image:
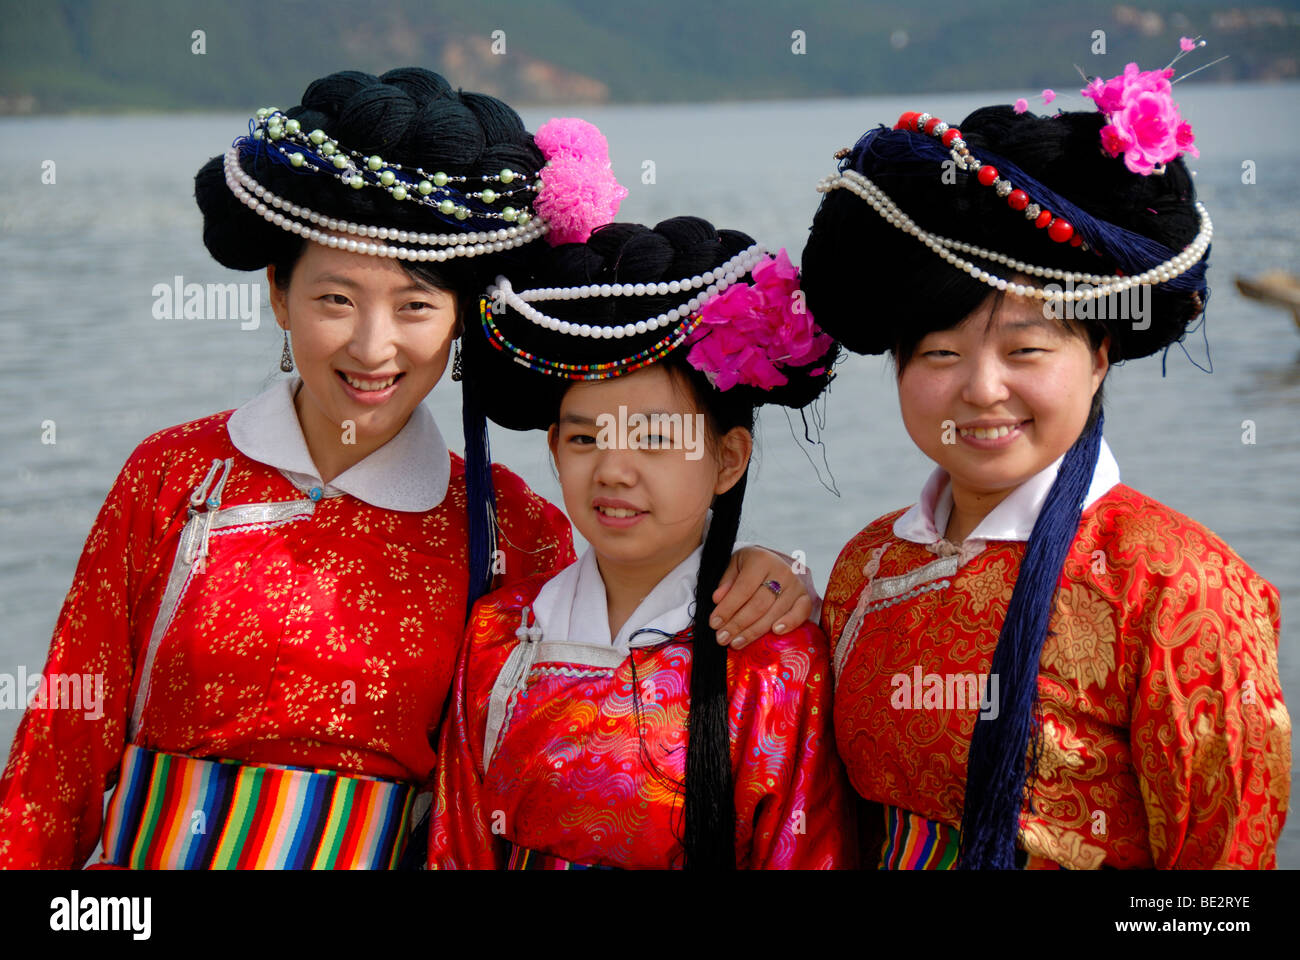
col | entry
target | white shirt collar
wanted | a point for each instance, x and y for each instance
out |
(572, 605)
(410, 472)
(1013, 518)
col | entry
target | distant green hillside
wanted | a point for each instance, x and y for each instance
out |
(136, 54)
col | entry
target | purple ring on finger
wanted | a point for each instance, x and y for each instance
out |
(774, 586)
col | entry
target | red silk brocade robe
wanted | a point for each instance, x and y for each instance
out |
(573, 783)
(318, 632)
(1165, 740)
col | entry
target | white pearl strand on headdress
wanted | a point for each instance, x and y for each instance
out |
(285, 214)
(712, 281)
(1100, 285)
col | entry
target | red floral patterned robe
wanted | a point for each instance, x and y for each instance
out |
(1165, 739)
(316, 634)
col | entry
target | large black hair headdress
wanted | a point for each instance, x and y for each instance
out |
(402, 166)
(1041, 207)
(633, 296)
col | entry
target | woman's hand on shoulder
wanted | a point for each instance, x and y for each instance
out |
(749, 605)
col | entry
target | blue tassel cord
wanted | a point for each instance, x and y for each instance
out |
(998, 771)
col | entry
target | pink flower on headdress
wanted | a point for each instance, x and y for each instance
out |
(1107, 94)
(1185, 140)
(579, 190)
(747, 331)
(1144, 121)
(1113, 140)
(1049, 95)
(1021, 105)
(1186, 44)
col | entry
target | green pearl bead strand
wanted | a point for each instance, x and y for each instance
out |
(352, 166)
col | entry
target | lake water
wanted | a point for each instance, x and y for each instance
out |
(79, 345)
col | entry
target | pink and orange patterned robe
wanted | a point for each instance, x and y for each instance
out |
(592, 746)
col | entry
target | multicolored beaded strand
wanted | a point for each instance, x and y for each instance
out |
(586, 371)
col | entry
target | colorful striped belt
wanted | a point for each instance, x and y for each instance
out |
(914, 843)
(173, 812)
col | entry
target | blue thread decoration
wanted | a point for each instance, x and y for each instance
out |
(315, 493)
(480, 497)
(998, 774)
(1198, 326)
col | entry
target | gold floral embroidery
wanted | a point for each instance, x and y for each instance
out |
(1277, 756)
(1209, 752)
(1066, 847)
(336, 639)
(1058, 750)
(993, 585)
(1081, 647)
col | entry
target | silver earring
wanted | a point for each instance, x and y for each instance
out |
(286, 358)
(457, 368)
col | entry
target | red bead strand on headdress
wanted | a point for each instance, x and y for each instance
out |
(1060, 230)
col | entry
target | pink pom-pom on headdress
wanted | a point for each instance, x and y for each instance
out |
(579, 190)
(572, 137)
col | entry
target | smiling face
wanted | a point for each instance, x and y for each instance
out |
(641, 508)
(369, 341)
(1011, 393)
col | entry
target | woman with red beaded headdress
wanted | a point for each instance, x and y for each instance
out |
(1037, 665)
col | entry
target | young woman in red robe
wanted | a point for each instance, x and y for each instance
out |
(271, 601)
(596, 721)
(1037, 665)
